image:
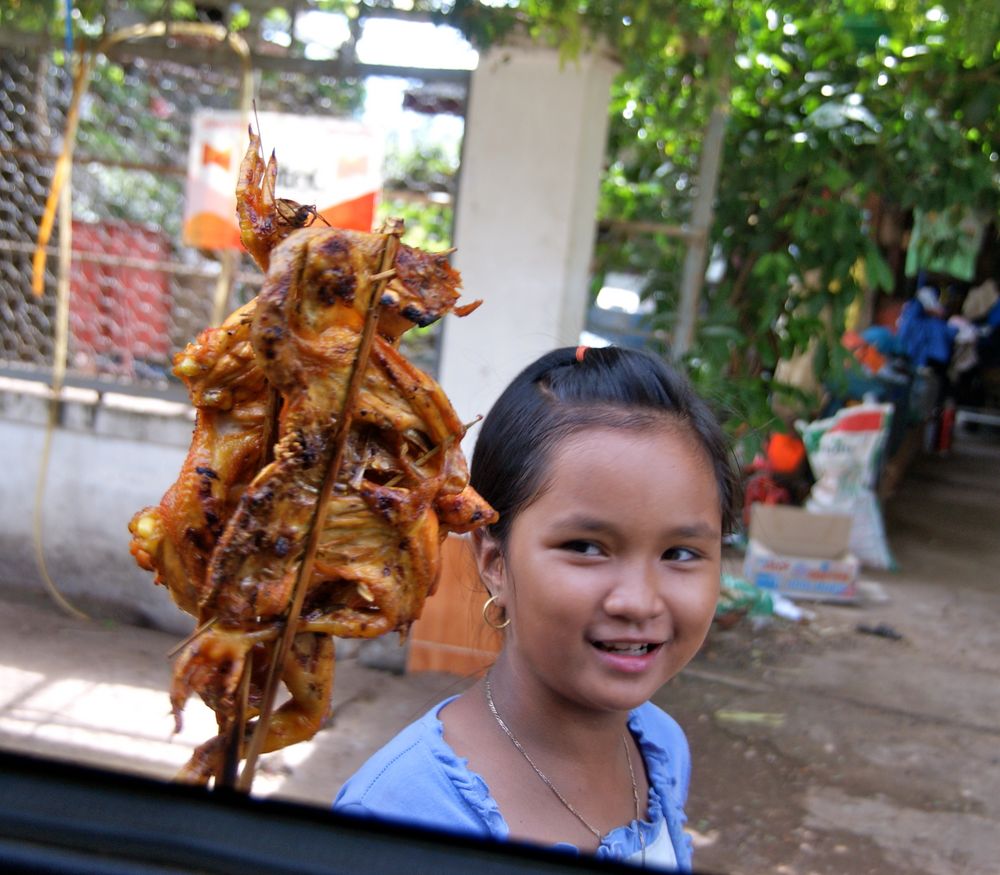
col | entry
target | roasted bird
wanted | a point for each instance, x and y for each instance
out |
(231, 395)
(230, 537)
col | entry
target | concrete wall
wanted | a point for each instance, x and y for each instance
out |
(110, 456)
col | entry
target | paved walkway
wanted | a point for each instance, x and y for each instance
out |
(96, 693)
(820, 750)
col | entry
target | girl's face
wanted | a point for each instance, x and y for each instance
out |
(611, 575)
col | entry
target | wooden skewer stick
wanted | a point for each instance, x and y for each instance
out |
(338, 443)
(234, 737)
(430, 453)
(475, 421)
(197, 633)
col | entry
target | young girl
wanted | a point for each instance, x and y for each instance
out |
(614, 488)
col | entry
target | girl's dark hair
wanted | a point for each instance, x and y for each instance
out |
(558, 395)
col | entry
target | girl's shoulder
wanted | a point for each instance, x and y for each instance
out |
(664, 747)
(657, 727)
(417, 778)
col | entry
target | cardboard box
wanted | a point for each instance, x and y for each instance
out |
(801, 555)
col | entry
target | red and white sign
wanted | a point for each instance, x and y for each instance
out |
(332, 164)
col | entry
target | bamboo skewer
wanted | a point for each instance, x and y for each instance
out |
(426, 457)
(197, 633)
(338, 444)
(234, 740)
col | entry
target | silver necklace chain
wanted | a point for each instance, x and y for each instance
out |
(628, 758)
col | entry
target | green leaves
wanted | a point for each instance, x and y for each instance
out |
(877, 272)
(836, 109)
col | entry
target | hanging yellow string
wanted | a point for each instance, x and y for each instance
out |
(58, 377)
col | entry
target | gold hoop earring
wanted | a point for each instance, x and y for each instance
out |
(486, 615)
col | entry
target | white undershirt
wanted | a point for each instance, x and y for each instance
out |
(659, 852)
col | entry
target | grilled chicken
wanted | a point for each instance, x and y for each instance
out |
(228, 538)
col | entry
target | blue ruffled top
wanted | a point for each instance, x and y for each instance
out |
(418, 779)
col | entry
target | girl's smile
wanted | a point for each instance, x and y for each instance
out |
(627, 657)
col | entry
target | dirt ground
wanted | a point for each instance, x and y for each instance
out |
(820, 749)
(816, 748)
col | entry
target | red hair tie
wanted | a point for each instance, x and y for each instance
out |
(580, 352)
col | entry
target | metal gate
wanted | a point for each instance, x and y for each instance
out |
(137, 294)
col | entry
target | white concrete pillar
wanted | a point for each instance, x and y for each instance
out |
(534, 147)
